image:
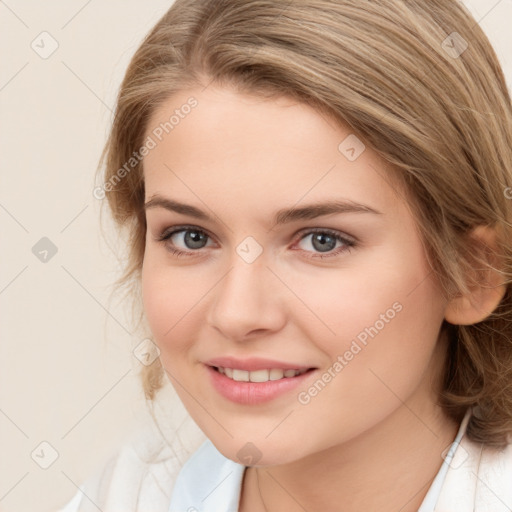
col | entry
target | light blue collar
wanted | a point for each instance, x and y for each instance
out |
(208, 482)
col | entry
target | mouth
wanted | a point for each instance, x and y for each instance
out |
(263, 375)
(252, 387)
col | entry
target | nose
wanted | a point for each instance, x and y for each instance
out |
(247, 302)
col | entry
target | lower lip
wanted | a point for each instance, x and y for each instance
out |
(251, 393)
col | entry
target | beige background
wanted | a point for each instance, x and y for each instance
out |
(68, 376)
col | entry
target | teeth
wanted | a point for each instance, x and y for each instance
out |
(276, 374)
(259, 375)
(241, 375)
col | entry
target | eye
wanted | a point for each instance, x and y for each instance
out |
(325, 243)
(187, 240)
(184, 240)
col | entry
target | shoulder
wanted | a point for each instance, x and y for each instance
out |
(140, 476)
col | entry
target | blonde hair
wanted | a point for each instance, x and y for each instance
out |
(417, 81)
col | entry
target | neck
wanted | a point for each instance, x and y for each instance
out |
(387, 468)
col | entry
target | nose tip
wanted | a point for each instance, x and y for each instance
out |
(245, 303)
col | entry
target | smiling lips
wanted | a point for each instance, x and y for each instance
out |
(254, 381)
(258, 375)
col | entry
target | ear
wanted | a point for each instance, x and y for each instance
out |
(486, 286)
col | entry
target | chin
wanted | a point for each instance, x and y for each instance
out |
(257, 454)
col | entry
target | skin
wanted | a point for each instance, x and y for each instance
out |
(372, 439)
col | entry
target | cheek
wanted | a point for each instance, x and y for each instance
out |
(172, 300)
(387, 311)
(381, 353)
(386, 319)
(345, 303)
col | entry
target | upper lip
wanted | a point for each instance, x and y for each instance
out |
(254, 363)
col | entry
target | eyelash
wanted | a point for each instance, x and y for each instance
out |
(349, 243)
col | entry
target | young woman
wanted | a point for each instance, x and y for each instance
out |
(318, 202)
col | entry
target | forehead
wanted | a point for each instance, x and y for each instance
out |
(266, 151)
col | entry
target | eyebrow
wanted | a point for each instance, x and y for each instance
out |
(286, 215)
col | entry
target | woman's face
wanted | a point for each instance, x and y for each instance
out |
(296, 251)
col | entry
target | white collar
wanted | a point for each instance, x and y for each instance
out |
(479, 479)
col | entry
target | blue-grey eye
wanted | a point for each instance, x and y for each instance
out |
(323, 242)
(190, 238)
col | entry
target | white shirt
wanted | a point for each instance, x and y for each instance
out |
(472, 478)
